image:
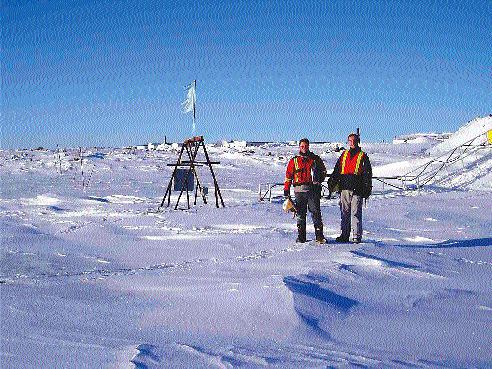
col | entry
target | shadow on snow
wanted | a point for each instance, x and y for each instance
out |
(313, 300)
(474, 242)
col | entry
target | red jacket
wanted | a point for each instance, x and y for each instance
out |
(304, 170)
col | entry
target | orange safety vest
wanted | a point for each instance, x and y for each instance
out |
(302, 173)
(299, 171)
(351, 165)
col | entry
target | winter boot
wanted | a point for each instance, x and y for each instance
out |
(342, 239)
(318, 231)
(301, 233)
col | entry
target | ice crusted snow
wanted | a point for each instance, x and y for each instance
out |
(97, 277)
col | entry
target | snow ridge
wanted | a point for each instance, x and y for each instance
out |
(476, 127)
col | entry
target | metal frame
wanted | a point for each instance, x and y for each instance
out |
(192, 146)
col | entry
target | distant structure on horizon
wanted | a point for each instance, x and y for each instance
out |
(417, 137)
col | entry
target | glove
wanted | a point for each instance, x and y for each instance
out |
(333, 185)
(287, 193)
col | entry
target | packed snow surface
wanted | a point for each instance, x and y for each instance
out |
(94, 274)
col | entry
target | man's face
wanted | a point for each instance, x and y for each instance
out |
(352, 141)
(304, 147)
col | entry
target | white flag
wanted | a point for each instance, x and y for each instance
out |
(189, 103)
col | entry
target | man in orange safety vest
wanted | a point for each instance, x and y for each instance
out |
(352, 178)
(306, 171)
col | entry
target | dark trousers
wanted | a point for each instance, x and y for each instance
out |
(309, 200)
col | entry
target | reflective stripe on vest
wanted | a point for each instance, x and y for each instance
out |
(296, 170)
(357, 166)
(347, 167)
(344, 159)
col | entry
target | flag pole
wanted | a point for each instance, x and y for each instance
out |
(194, 106)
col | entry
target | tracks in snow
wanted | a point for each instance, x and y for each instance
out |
(100, 273)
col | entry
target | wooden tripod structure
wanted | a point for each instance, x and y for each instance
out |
(192, 146)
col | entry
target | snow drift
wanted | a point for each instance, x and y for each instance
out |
(477, 127)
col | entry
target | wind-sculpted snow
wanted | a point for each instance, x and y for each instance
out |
(472, 129)
(260, 356)
(311, 286)
(355, 305)
(93, 273)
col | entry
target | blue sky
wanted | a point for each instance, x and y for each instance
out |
(112, 73)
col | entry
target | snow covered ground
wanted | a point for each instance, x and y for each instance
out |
(97, 277)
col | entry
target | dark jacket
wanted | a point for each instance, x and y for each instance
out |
(360, 183)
